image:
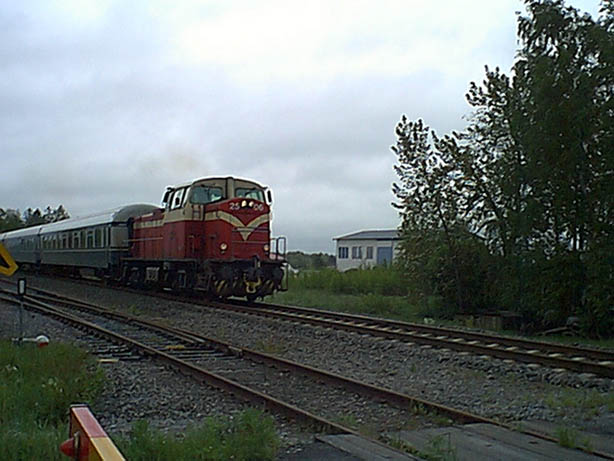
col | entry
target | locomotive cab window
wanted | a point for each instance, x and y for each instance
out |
(177, 199)
(201, 195)
(254, 193)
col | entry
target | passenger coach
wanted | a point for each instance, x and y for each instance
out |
(97, 241)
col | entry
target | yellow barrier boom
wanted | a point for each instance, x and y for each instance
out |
(88, 441)
(8, 266)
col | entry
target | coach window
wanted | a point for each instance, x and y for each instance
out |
(356, 252)
(82, 239)
(369, 252)
(343, 252)
(98, 237)
(90, 239)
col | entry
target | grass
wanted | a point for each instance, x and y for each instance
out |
(382, 292)
(394, 307)
(248, 436)
(378, 291)
(437, 448)
(575, 340)
(37, 387)
(384, 281)
(349, 420)
(270, 346)
(590, 402)
(570, 438)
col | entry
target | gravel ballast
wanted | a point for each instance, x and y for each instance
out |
(489, 387)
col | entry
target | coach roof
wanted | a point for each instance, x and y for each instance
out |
(116, 215)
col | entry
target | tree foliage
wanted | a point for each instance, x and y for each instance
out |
(527, 187)
(300, 260)
(11, 219)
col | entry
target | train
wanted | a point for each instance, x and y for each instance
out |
(211, 235)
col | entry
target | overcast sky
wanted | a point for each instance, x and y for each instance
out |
(105, 103)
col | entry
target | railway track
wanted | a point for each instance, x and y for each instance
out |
(247, 374)
(557, 356)
(553, 355)
(281, 386)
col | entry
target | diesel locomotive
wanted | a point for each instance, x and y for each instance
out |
(211, 235)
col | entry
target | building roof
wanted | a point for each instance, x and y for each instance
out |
(386, 234)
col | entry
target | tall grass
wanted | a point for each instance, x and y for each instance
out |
(379, 280)
(248, 436)
(36, 388)
(379, 291)
(38, 385)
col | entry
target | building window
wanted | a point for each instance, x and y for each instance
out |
(356, 252)
(343, 252)
(369, 252)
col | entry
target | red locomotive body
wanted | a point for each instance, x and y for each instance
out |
(213, 234)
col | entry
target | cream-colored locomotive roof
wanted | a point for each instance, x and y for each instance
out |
(116, 215)
(218, 179)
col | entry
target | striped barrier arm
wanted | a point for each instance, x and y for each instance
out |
(87, 439)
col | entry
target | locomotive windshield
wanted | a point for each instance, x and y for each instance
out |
(203, 194)
(254, 193)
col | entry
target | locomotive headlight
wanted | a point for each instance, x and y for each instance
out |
(266, 248)
(223, 246)
(251, 204)
(243, 203)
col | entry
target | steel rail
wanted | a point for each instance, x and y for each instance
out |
(368, 390)
(588, 352)
(198, 373)
(392, 397)
(579, 359)
(381, 328)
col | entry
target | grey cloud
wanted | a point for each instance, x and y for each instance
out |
(96, 117)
